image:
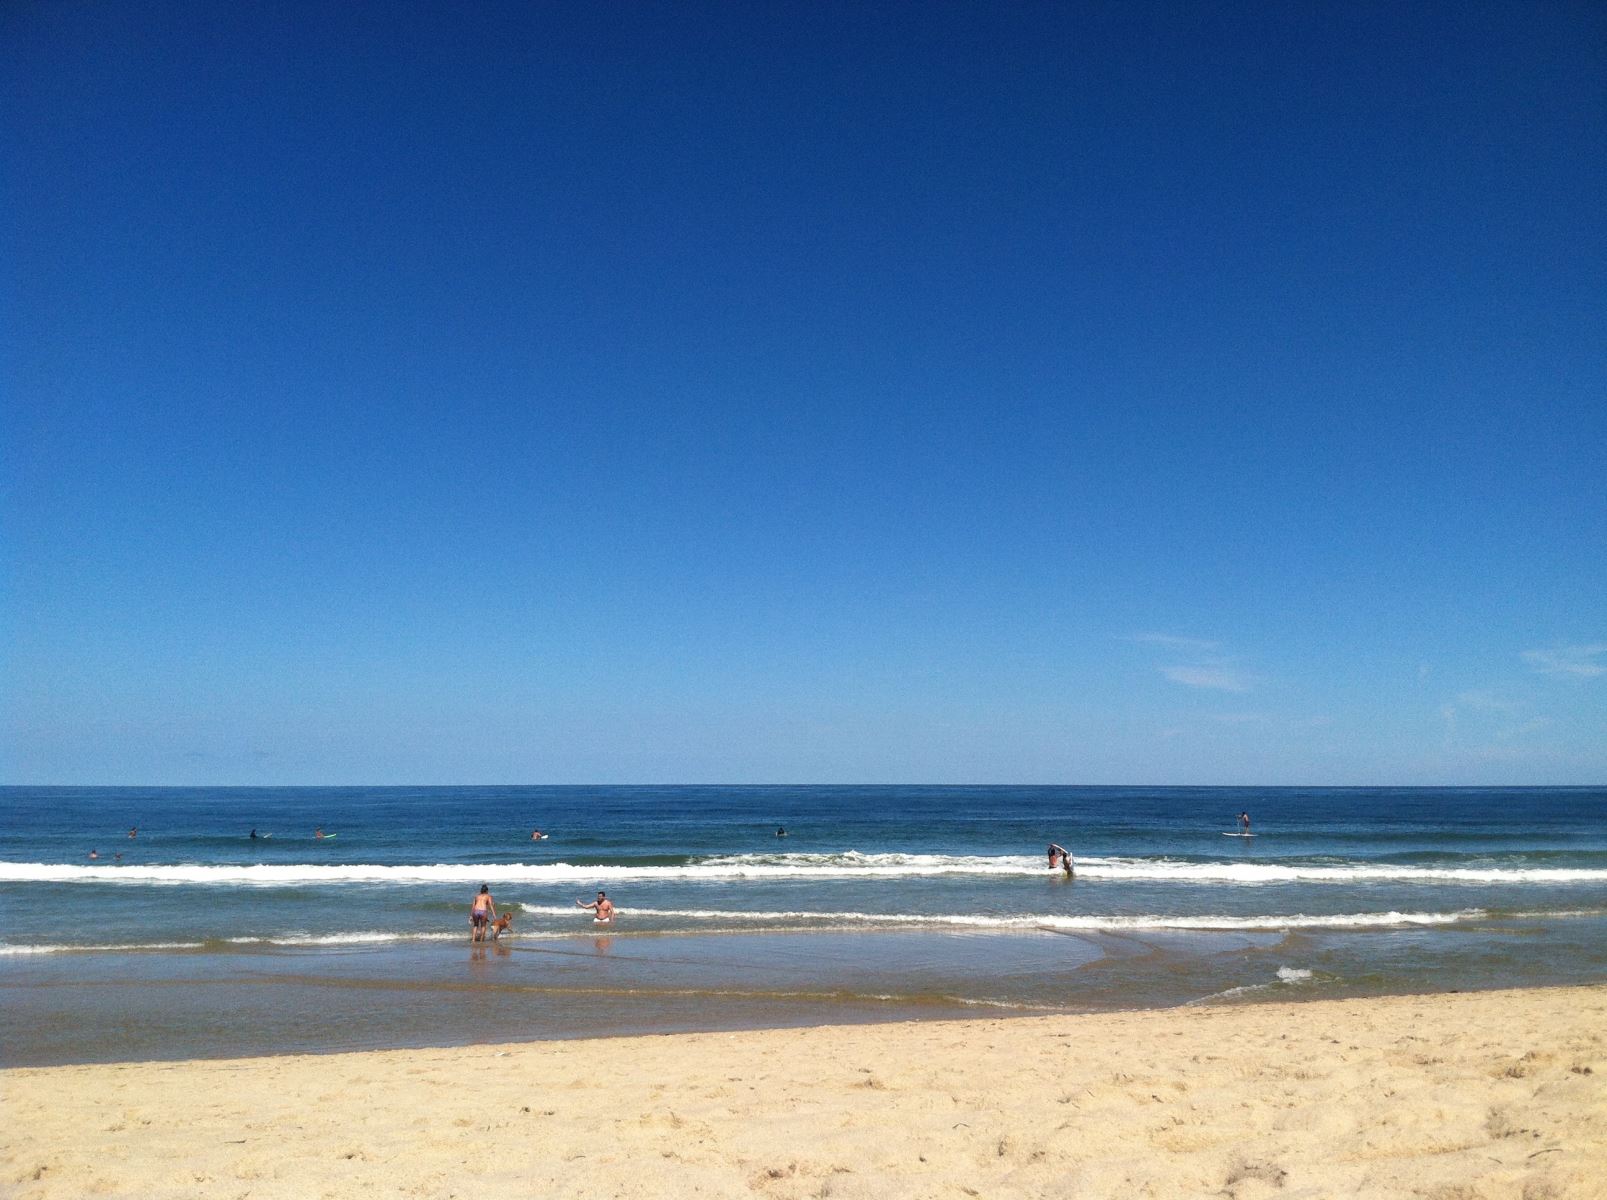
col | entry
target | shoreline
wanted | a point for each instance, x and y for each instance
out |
(1473, 1094)
(248, 1001)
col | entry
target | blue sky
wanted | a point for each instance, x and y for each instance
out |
(1046, 393)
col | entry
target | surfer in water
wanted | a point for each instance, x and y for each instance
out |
(1059, 856)
(603, 907)
(1244, 822)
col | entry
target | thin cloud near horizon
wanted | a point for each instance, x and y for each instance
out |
(1223, 679)
(1569, 662)
(1173, 642)
(1209, 669)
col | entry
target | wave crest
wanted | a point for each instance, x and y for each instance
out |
(848, 865)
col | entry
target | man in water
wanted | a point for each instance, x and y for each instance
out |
(134, 832)
(602, 906)
(1059, 856)
(1244, 822)
(253, 835)
(482, 914)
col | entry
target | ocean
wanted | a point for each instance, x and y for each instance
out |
(192, 939)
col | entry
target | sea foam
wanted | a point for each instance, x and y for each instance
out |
(848, 865)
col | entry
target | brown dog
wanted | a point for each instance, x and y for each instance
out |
(500, 925)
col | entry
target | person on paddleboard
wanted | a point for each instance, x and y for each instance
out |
(1244, 822)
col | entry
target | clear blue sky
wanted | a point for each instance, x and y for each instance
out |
(1036, 393)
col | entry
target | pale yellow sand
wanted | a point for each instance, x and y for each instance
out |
(1453, 1097)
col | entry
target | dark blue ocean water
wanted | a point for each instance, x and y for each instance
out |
(878, 900)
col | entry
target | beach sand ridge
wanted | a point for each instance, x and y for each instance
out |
(1448, 1097)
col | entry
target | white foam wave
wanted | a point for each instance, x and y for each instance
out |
(781, 867)
(1286, 976)
(1271, 873)
(356, 937)
(1093, 924)
(360, 937)
(7, 950)
(802, 920)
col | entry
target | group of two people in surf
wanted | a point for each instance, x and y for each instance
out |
(484, 921)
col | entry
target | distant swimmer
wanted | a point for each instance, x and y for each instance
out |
(537, 836)
(94, 854)
(781, 832)
(254, 835)
(603, 907)
(319, 832)
(1060, 857)
(1244, 822)
(134, 831)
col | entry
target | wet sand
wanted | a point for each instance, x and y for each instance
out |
(1494, 1094)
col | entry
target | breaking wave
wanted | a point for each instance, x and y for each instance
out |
(786, 866)
(805, 920)
(1056, 921)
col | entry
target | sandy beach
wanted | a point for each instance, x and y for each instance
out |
(1452, 1096)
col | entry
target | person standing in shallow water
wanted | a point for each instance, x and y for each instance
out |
(603, 907)
(482, 914)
